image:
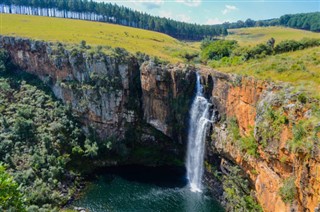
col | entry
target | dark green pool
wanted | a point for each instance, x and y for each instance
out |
(135, 188)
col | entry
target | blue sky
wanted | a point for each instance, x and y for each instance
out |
(219, 11)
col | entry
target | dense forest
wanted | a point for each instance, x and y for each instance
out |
(39, 139)
(107, 12)
(305, 21)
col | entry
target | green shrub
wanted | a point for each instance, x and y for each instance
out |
(237, 191)
(11, 199)
(83, 44)
(270, 128)
(206, 42)
(218, 49)
(288, 191)
(259, 51)
(249, 144)
(287, 46)
(302, 98)
(234, 128)
(301, 141)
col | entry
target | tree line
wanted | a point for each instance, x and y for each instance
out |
(112, 13)
(305, 21)
(125, 16)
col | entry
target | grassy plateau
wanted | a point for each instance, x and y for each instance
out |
(301, 68)
(256, 35)
(95, 33)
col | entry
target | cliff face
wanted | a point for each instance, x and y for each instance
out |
(166, 96)
(109, 94)
(270, 131)
(97, 87)
(271, 115)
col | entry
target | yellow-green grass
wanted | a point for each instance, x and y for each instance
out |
(94, 33)
(256, 35)
(300, 68)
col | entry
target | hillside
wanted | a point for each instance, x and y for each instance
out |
(94, 33)
(288, 59)
(301, 68)
(110, 13)
(255, 35)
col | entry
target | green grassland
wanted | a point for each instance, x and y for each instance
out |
(256, 35)
(95, 33)
(300, 68)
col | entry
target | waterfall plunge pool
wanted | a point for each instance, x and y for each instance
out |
(139, 188)
(167, 189)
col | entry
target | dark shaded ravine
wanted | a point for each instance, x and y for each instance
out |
(138, 188)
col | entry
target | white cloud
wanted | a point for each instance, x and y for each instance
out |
(213, 21)
(190, 3)
(178, 17)
(166, 14)
(228, 9)
(155, 4)
(183, 18)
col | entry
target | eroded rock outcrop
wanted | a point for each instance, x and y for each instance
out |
(271, 114)
(167, 93)
(109, 94)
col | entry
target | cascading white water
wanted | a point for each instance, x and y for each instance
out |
(199, 122)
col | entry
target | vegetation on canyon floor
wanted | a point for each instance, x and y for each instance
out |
(40, 139)
(43, 148)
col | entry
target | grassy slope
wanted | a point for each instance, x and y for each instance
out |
(256, 35)
(95, 33)
(301, 68)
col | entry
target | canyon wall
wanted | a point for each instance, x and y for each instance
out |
(270, 116)
(111, 96)
(270, 131)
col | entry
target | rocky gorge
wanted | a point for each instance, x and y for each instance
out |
(267, 129)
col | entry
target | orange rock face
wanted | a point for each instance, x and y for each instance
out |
(241, 102)
(240, 98)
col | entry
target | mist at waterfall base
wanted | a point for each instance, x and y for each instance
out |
(138, 188)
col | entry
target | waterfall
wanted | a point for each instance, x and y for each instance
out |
(199, 123)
